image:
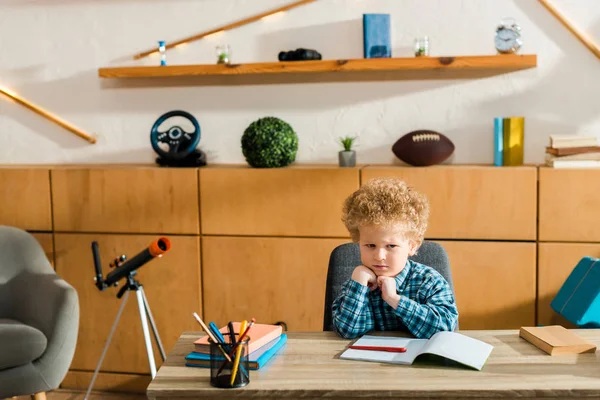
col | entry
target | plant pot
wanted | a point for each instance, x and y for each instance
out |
(347, 158)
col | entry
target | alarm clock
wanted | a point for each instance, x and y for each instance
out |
(508, 37)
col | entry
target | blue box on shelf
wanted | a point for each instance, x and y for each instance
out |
(377, 40)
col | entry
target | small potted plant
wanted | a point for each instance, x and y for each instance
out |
(347, 157)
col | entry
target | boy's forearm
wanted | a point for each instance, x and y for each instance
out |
(424, 320)
(350, 312)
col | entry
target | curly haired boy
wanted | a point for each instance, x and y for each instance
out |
(389, 292)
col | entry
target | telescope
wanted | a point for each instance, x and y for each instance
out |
(124, 268)
(127, 269)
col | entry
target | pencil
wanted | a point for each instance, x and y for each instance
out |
(211, 336)
(380, 348)
(252, 321)
(238, 353)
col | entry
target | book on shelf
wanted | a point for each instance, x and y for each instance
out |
(256, 359)
(513, 136)
(576, 157)
(259, 335)
(447, 346)
(557, 163)
(573, 160)
(566, 151)
(569, 141)
(556, 339)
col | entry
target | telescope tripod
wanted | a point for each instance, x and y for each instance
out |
(144, 309)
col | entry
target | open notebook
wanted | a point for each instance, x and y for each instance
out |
(453, 346)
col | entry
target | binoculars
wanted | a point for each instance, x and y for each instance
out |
(299, 55)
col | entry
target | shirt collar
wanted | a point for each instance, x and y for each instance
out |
(401, 277)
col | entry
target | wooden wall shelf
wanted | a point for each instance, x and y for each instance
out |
(391, 68)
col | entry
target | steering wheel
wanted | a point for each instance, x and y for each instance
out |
(179, 142)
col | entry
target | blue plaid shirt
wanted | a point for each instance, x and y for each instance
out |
(426, 305)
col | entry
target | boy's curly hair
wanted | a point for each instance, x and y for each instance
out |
(384, 201)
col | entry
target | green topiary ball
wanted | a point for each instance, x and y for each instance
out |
(269, 143)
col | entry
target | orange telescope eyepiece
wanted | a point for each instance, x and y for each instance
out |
(159, 246)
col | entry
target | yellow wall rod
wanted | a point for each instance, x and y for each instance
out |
(224, 28)
(47, 115)
(583, 38)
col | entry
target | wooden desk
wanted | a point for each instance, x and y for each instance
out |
(308, 367)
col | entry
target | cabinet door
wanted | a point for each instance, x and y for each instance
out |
(25, 198)
(171, 284)
(128, 200)
(555, 263)
(271, 279)
(569, 205)
(291, 201)
(494, 283)
(473, 202)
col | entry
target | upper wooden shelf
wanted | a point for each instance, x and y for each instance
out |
(391, 68)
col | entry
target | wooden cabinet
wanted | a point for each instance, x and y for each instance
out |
(569, 210)
(555, 263)
(25, 198)
(128, 200)
(271, 279)
(171, 283)
(495, 283)
(292, 201)
(266, 237)
(473, 202)
(569, 205)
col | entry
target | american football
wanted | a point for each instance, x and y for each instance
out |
(423, 147)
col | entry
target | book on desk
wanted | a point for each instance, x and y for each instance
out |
(556, 339)
(450, 346)
(260, 336)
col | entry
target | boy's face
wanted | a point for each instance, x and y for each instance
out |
(384, 250)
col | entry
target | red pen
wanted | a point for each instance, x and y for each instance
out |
(380, 348)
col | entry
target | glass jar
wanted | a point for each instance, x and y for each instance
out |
(223, 54)
(422, 46)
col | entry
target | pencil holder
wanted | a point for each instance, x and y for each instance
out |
(229, 366)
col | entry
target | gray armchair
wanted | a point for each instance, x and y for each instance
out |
(346, 257)
(39, 318)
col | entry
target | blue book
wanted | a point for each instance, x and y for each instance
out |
(256, 360)
(498, 141)
(578, 300)
(377, 40)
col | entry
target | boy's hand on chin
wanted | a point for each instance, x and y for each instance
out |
(365, 277)
(388, 290)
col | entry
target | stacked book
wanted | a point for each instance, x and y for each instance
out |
(265, 341)
(573, 151)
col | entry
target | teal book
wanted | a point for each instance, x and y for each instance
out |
(578, 300)
(498, 141)
(257, 358)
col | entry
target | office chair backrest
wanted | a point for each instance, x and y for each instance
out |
(346, 257)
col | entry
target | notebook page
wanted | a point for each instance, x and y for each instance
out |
(413, 348)
(460, 348)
